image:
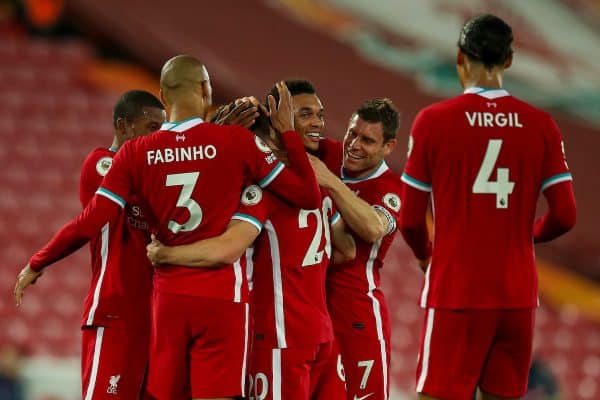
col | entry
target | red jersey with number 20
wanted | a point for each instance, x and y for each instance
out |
(191, 175)
(485, 156)
(290, 261)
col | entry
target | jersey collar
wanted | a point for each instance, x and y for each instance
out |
(375, 174)
(487, 93)
(181, 126)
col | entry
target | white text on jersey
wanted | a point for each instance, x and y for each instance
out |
(490, 120)
(177, 154)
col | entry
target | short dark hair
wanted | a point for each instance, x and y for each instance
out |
(381, 110)
(487, 39)
(131, 105)
(295, 86)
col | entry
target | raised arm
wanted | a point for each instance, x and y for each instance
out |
(220, 250)
(297, 185)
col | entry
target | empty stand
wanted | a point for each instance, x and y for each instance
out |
(49, 121)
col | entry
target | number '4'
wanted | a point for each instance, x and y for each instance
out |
(501, 187)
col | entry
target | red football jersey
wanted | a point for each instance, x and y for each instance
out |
(356, 303)
(290, 259)
(191, 176)
(121, 285)
(485, 156)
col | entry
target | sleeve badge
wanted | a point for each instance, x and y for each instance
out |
(103, 165)
(262, 146)
(392, 201)
(252, 195)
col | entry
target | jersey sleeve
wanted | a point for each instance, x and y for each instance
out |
(92, 172)
(95, 218)
(117, 184)
(297, 184)
(388, 203)
(555, 168)
(417, 172)
(254, 207)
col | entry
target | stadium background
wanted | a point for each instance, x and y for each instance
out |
(64, 63)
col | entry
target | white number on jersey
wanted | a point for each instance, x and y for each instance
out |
(501, 187)
(313, 254)
(254, 386)
(368, 365)
(188, 181)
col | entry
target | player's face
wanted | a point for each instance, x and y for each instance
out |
(364, 147)
(150, 121)
(308, 119)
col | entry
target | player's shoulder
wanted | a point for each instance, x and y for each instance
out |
(98, 160)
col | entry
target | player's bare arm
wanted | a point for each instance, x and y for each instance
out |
(26, 277)
(368, 223)
(220, 250)
(344, 247)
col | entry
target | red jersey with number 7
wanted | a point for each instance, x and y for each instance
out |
(190, 176)
(485, 156)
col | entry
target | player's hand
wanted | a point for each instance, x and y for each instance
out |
(282, 114)
(26, 277)
(325, 177)
(154, 251)
(241, 112)
(424, 264)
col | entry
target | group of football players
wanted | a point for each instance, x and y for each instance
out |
(238, 255)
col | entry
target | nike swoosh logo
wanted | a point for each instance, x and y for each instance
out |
(363, 397)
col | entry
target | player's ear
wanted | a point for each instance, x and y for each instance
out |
(460, 58)
(162, 96)
(389, 146)
(206, 89)
(508, 61)
(121, 126)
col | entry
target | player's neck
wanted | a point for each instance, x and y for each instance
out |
(483, 77)
(184, 112)
(115, 144)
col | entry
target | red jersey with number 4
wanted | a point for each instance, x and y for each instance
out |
(121, 285)
(485, 156)
(290, 260)
(191, 175)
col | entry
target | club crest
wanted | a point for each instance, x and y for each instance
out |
(392, 201)
(103, 165)
(252, 195)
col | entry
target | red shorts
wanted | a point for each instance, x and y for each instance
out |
(461, 350)
(113, 362)
(293, 374)
(366, 366)
(198, 347)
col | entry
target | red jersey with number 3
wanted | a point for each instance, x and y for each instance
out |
(485, 156)
(191, 174)
(290, 260)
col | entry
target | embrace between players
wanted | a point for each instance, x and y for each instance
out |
(268, 246)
